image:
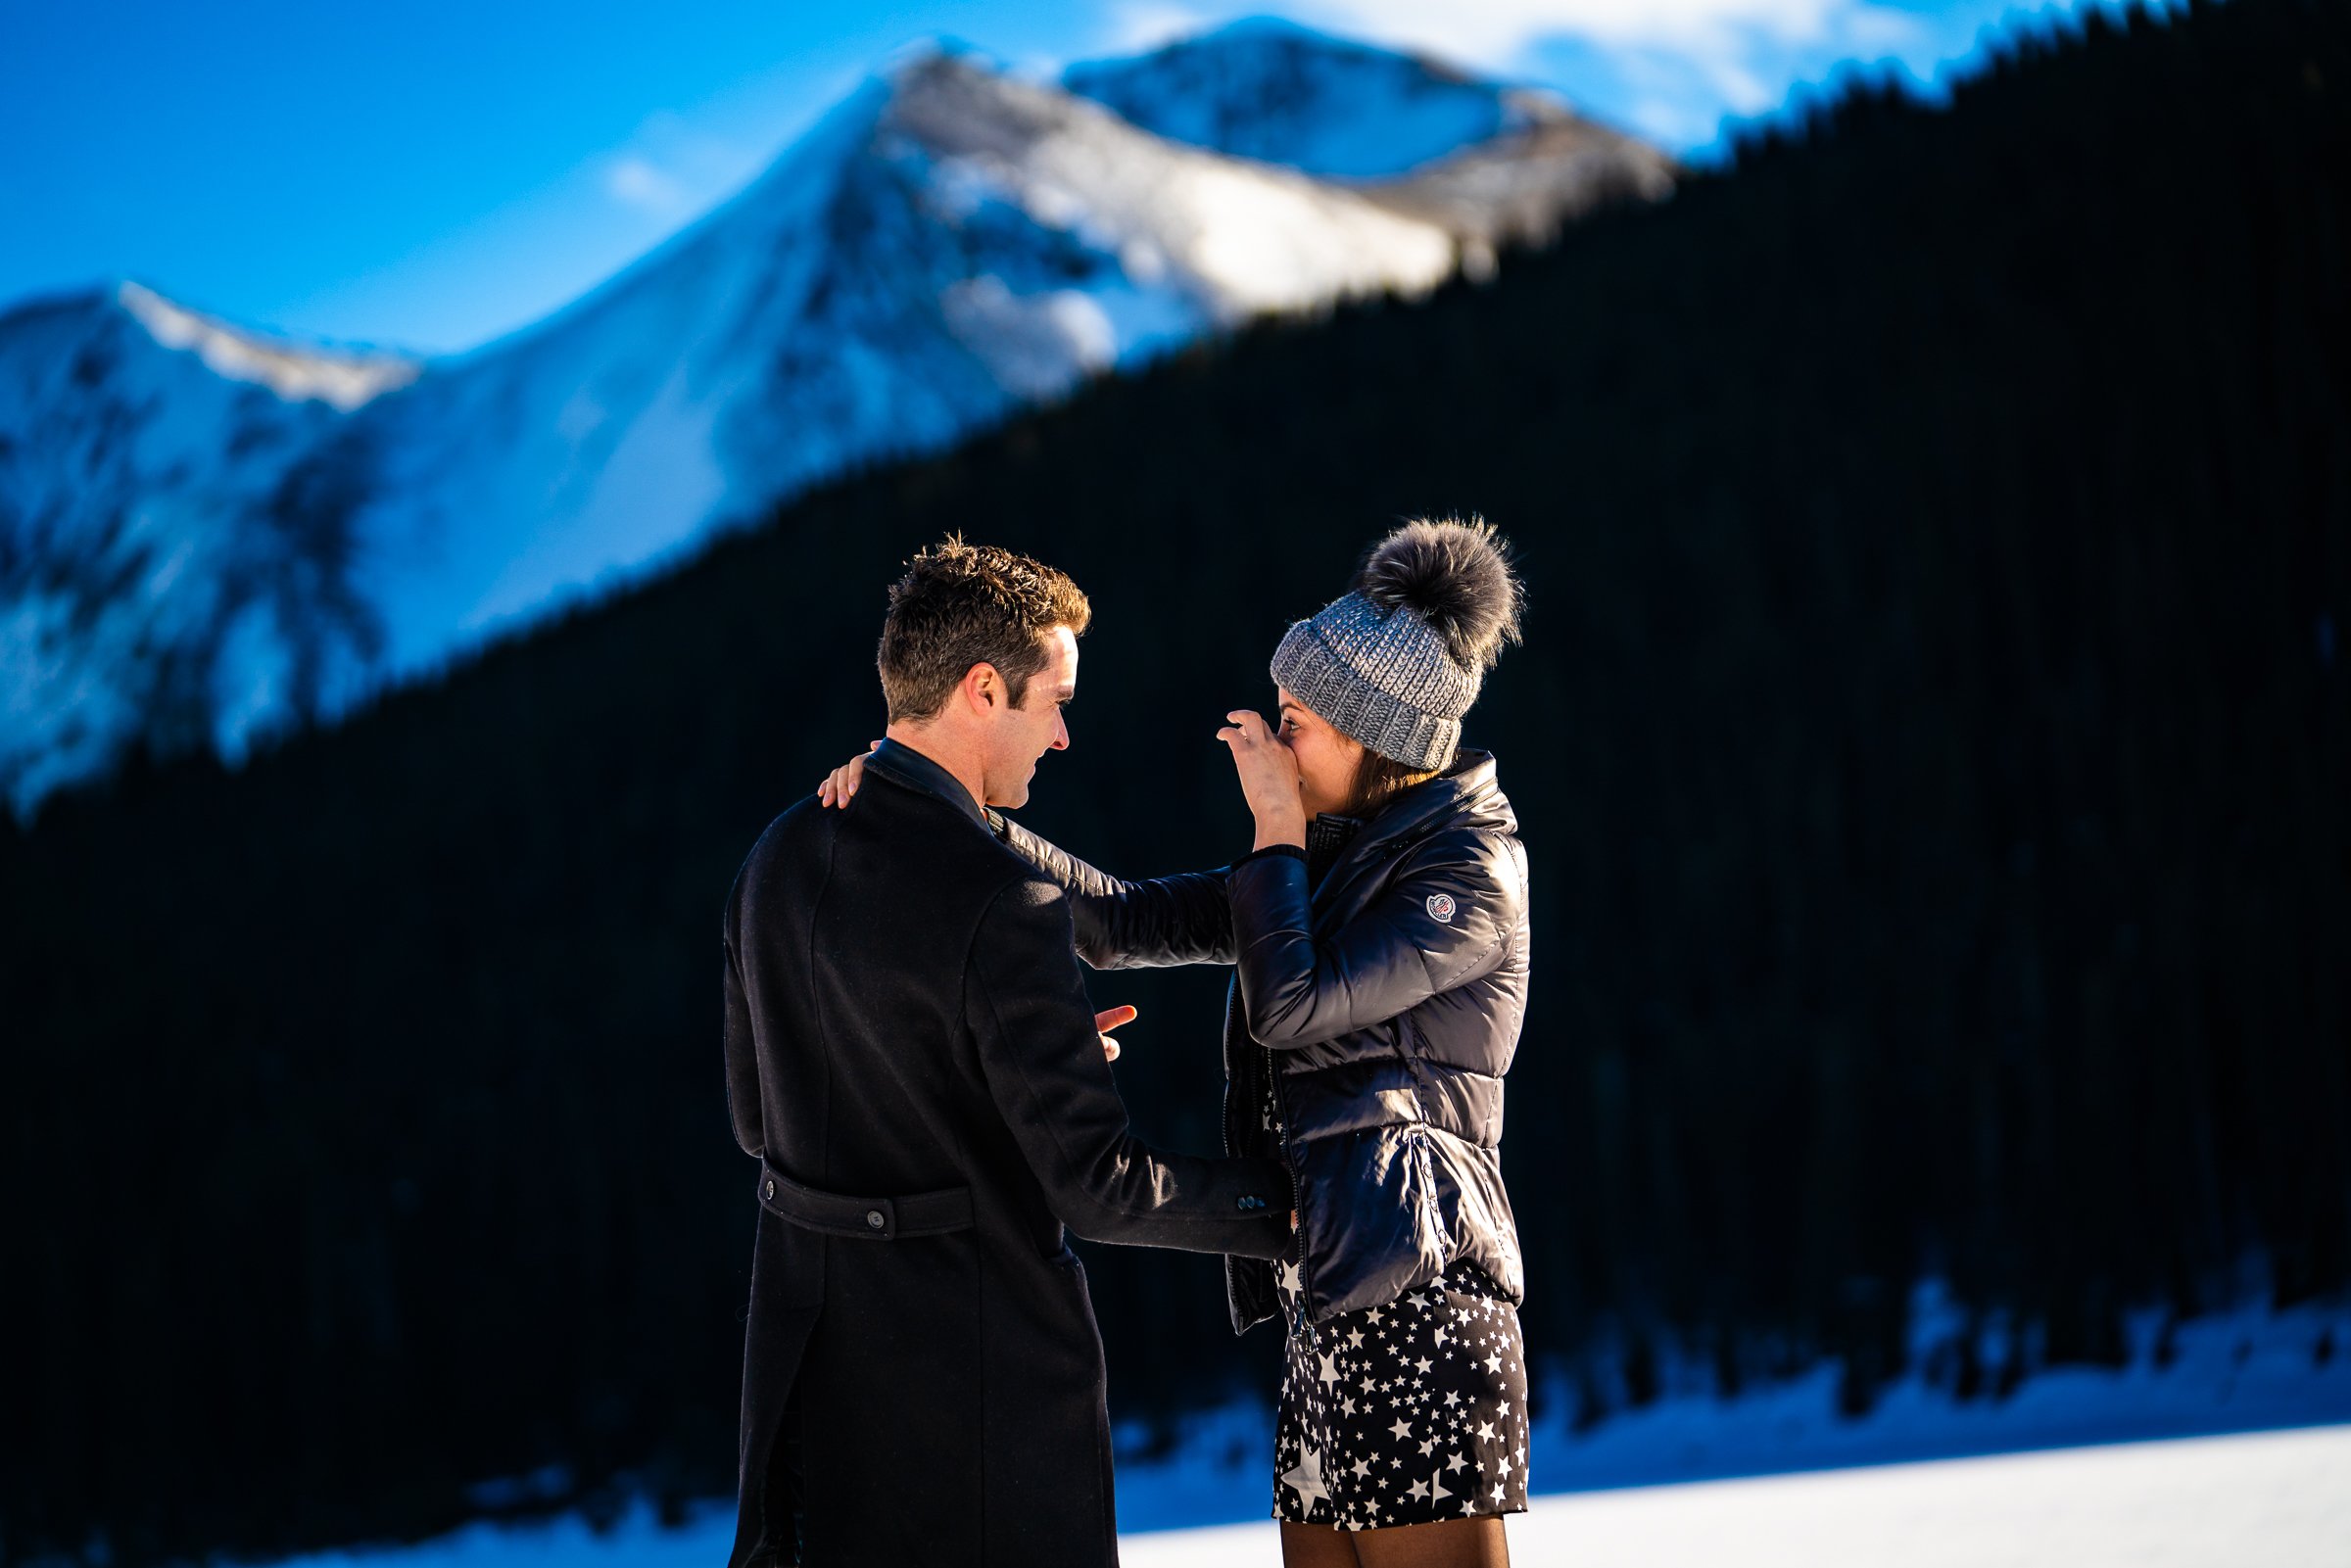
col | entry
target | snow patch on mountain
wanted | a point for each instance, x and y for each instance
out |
(346, 380)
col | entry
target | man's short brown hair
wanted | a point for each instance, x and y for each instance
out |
(964, 605)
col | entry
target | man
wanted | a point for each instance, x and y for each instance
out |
(911, 1055)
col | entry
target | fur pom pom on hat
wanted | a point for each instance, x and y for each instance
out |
(1399, 659)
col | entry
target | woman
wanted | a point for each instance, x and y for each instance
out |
(1379, 930)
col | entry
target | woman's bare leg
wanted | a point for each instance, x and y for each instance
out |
(1446, 1543)
(1317, 1547)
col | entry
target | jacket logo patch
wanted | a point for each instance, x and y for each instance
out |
(1440, 908)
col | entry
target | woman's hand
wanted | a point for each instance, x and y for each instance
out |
(1269, 779)
(1109, 1020)
(841, 783)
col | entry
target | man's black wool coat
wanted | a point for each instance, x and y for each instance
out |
(911, 1054)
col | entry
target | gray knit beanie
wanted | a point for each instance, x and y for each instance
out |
(1397, 660)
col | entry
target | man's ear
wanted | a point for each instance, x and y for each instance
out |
(983, 687)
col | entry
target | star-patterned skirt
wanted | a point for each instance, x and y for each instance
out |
(1404, 1414)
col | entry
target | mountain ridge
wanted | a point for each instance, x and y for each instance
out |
(948, 244)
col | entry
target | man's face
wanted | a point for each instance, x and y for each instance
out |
(1020, 736)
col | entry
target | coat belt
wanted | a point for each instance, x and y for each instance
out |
(922, 1213)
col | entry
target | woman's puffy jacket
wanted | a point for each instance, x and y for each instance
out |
(1371, 1019)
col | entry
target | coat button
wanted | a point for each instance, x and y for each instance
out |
(873, 1219)
(768, 1191)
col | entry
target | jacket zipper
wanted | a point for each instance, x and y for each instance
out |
(1232, 1005)
(1301, 1322)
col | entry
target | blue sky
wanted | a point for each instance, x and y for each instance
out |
(434, 174)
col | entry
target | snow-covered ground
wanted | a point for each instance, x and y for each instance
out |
(2243, 1370)
(2279, 1500)
(2078, 1467)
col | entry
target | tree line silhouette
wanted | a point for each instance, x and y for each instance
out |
(1931, 741)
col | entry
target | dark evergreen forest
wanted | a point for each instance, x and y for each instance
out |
(1933, 739)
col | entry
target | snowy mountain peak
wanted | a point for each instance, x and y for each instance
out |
(295, 372)
(165, 575)
(1237, 238)
(1491, 164)
(918, 54)
(947, 244)
(1267, 88)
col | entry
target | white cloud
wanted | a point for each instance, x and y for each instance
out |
(1675, 68)
(1497, 32)
(1671, 121)
(635, 181)
(669, 170)
(1744, 92)
(1886, 32)
(1137, 26)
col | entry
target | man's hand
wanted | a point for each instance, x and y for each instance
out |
(841, 783)
(1105, 1022)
